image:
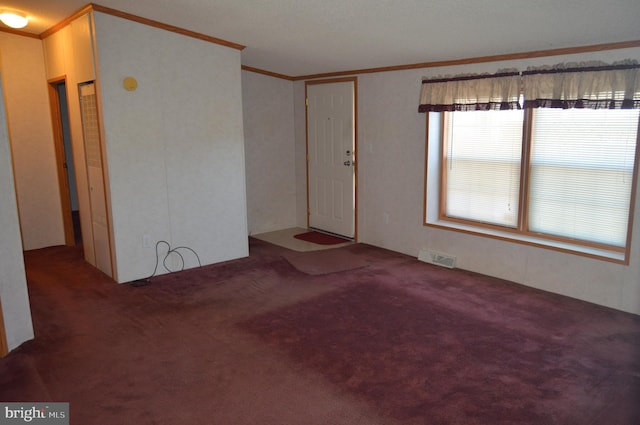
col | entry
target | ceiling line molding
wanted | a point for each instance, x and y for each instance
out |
(453, 62)
(166, 27)
(124, 15)
(18, 32)
(480, 59)
(57, 27)
(269, 73)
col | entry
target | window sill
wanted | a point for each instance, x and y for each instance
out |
(591, 252)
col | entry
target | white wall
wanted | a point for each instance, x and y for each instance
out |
(391, 139)
(13, 282)
(174, 147)
(269, 141)
(30, 127)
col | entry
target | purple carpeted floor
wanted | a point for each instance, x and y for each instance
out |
(257, 341)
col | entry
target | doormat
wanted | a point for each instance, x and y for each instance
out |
(320, 238)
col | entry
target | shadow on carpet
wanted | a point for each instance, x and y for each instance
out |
(417, 360)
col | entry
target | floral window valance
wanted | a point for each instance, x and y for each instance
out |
(471, 93)
(585, 85)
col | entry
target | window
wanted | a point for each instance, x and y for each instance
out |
(559, 173)
(481, 166)
(581, 173)
(578, 183)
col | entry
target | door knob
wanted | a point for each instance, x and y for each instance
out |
(347, 163)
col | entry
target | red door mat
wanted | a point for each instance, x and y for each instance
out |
(321, 238)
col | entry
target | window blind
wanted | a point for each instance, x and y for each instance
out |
(581, 173)
(482, 166)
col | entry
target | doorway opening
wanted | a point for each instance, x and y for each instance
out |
(64, 161)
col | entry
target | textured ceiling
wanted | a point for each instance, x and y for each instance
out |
(303, 37)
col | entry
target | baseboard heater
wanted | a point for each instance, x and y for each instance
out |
(437, 258)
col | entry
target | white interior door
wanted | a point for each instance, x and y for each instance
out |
(331, 157)
(97, 200)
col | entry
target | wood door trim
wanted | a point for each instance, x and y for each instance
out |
(63, 182)
(4, 348)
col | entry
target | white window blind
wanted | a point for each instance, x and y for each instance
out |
(482, 166)
(581, 173)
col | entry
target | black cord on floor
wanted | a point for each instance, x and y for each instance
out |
(176, 251)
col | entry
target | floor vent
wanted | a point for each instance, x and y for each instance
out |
(437, 258)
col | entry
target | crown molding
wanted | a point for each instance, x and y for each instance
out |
(124, 15)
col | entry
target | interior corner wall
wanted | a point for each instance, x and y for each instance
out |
(269, 139)
(300, 119)
(391, 166)
(13, 282)
(32, 143)
(174, 146)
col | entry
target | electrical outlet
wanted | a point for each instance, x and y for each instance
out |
(146, 241)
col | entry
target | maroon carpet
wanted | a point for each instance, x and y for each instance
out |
(418, 360)
(255, 341)
(320, 238)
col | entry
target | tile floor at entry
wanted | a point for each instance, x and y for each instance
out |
(285, 238)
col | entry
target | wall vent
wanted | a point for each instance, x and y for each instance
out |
(437, 258)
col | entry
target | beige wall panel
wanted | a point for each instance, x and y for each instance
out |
(13, 284)
(82, 41)
(30, 129)
(55, 50)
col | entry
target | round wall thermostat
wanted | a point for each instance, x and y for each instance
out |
(130, 84)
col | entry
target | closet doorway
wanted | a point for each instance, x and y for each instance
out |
(64, 161)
